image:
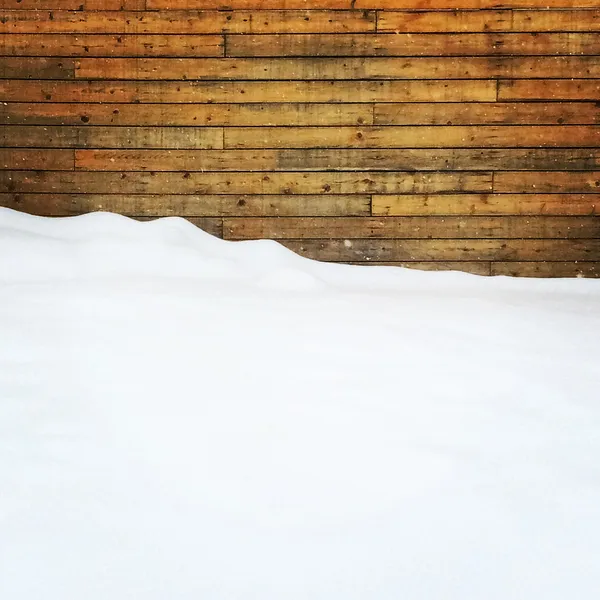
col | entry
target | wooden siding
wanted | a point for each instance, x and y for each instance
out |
(420, 133)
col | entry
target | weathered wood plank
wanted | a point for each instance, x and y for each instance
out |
(546, 269)
(340, 160)
(18, 158)
(430, 44)
(247, 4)
(16, 136)
(473, 267)
(327, 68)
(23, 113)
(190, 205)
(446, 250)
(229, 92)
(110, 45)
(483, 136)
(79, 182)
(497, 113)
(36, 68)
(486, 204)
(550, 90)
(473, 21)
(189, 22)
(467, 4)
(115, 4)
(41, 4)
(422, 227)
(548, 182)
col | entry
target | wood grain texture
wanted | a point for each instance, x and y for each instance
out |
(463, 227)
(401, 44)
(243, 92)
(240, 182)
(555, 91)
(546, 269)
(573, 182)
(327, 68)
(338, 160)
(184, 22)
(486, 204)
(205, 205)
(34, 159)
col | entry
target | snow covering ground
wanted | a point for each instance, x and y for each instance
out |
(187, 418)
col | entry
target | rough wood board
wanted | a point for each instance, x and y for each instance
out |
(550, 90)
(36, 68)
(486, 204)
(110, 137)
(244, 92)
(446, 250)
(504, 20)
(34, 159)
(75, 113)
(190, 205)
(242, 183)
(474, 267)
(498, 113)
(546, 269)
(110, 45)
(409, 44)
(328, 68)
(190, 22)
(573, 182)
(486, 136)
(487, 159)
(463, 227)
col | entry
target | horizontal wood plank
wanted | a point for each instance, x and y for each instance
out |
(546, 269)
(409, 44)
(486, 136)
(473, 267)
(110, 45)
(324, 68)
(110, 137)
(33, 159)
(463, 227)
(36, 68)
(189, 22)
(572, 182)
(247, 4)
(248, 91)
(555, 91)
(486, 204)
(446, 250)
(504, 20)
(489, 113)
(458, 4)
(167, 205)
(338, 160)
(24, 113)
(242, 182)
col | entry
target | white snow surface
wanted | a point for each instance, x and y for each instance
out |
(184, 418)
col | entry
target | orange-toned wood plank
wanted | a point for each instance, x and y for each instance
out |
(189, 22)
(368, 250)
(73, 4)
(247, 91)
(546, 269)
(189, 205)
(110, 137)
(486, 204)
(487, 136)
(405, 44)
(498, 113)
(550, 90)
(22, 113)
(36, 68)
(548, 182)
(110, 45)
(526, 67)
(464, 21)
(471, 4)
(423, 227)
(285, 183)
(19, 158)
(340, 160)
(248, 4)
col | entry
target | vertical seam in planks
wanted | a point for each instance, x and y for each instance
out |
(225, 45)
(497, 88)
(376, 20)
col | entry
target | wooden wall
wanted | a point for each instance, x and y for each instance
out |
(370, 131)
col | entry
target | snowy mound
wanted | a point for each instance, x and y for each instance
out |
(187, 418)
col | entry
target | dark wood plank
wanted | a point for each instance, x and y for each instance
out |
(33, 159)
(36, 68)
(546, 269)
(548, 182)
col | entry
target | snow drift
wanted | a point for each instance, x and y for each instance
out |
(187, 418)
